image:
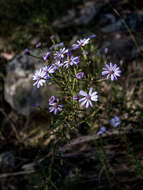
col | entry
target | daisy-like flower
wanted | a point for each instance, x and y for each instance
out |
(57, 64)
(75, 97)
(52, 37)
(101, 131)
(36, 105)
(69, 52)
(71, 61)
(60, 54)
(106, 50)
(38, 45)
(45, 57)
(80, 43)
(49, 69)
(52, 99)
(115, 121)
(54, 106)
(27, 51)
(92, 36)
(112, 71)
(56, 45)
(88, 98)
(39, 77)
(80, 75)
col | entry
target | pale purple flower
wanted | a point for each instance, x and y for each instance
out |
(92, 36)
(36, 105)
(60, 54)
(57, 64)
(45, 69)
(39, 77)
(71, 61)
(55, 107)
(112, 71)
(101, 131)
(52, 37)
(56, 45)
(27, 51)
(80, 43)
(75, 97)
(80, 75)
(49, 69)
(115, 121)
(106, 50)
(69, 52)
(85, 52)
(121, 61)
(45, 57)
(38, 45)
(74, 60)
(88, 98)
(52, 99)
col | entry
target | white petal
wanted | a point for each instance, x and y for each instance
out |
(55, 111)
(35, 83)
(90, 91)
(112, 77)
(108, 76)
(84, 102)
(114, 67)
(90, 103)
(107, 67)
(94, 98)
(87, 104)
(82, 99)
(117, 74)
(82, 93)
(51, 109)
(94, 94)
(111, 66)
(105, 72)
(115, 78)
(38, 85)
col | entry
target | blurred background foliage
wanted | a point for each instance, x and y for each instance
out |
(23, 19)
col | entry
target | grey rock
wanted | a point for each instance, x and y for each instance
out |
(133, 22)
(115, 27)
(87, 14)
(19, 91)
(81, 16)
(65, 21)
(121, 48)
(107, 19)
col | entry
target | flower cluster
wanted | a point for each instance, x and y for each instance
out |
(54, 105)
(77, 77)
(114, 122)
(66, 70)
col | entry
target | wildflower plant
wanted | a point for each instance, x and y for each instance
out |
(78, 77)
(79, 74)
